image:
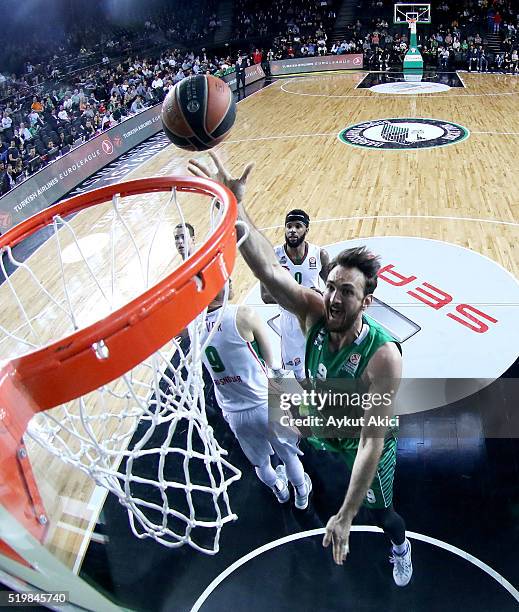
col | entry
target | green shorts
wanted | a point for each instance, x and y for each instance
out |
(380, 493)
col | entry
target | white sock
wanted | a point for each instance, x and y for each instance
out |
(400, 549)
(295, 473)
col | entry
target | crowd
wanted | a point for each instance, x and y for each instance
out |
(289, 28)
(261, 20)
(48, 109)
(458, 38)
(34, 130)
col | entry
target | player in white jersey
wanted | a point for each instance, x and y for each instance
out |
(234, 358)
(184, 237)
(306, 263)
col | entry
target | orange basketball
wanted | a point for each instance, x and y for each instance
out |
(198, 112)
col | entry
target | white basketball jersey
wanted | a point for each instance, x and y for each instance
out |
(240, 377)
(307, 272)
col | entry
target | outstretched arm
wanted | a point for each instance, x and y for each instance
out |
(383, 377)
(259, 255)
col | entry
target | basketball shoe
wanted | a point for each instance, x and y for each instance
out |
(402, 566)
(301, 500)
(283, 494)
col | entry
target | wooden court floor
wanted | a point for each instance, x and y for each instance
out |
(465, 194)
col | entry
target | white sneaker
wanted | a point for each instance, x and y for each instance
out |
(402, 566)
(301, 501)
(283, 495)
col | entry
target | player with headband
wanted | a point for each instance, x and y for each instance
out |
(306, 262)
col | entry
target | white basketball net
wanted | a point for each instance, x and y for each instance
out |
(145, 436)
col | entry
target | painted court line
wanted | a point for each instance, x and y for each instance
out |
(366, 528)
(369, 217)
(334, 135)
(377, 97)
(96, 503)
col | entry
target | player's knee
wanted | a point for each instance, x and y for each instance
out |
(382, 517)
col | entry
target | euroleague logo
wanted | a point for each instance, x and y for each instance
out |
(193, 106)
(107, 146)
(6, 219)
(403, 133)
(409, 88)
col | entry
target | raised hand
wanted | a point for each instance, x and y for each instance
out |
(222, 175)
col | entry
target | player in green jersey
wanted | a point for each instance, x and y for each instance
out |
(337, 328)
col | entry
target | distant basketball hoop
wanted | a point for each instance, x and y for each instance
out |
(412, 14)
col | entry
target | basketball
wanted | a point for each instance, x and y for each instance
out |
(198, 112)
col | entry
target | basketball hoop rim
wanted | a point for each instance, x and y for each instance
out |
(69, 368)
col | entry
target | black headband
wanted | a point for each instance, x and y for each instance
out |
(297, 215)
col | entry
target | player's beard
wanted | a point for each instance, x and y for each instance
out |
(295, 241)
(341, 324)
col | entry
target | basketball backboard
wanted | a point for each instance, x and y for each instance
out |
(404, 11)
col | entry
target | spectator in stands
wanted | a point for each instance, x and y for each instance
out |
(96, 123)
(18, 171)
(497, 22)
(13, 153)
(3, 152)
(88, 113)
(514, 61)
(157, 85)
(67, 103)
(35, 120)
(137, 105)
(7, 122)
(36, 105)
(52, 151)
(89, 129)
(321, 47)
(443, 58)
(239, 67)
(63, 115)
(473, 59)
(32, 161)
(257, 56)
(7, 180)
(106, 120)
(179, 76)
(62, 140)
(482, 60)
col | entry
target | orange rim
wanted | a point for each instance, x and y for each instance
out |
(69, 368)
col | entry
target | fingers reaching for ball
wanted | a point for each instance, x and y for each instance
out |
(197, 168)
(222, 175)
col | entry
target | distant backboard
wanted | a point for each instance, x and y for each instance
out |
(404, 11)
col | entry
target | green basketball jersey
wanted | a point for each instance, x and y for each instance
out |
(349, 363)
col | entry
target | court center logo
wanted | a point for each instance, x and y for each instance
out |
(403, 133)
